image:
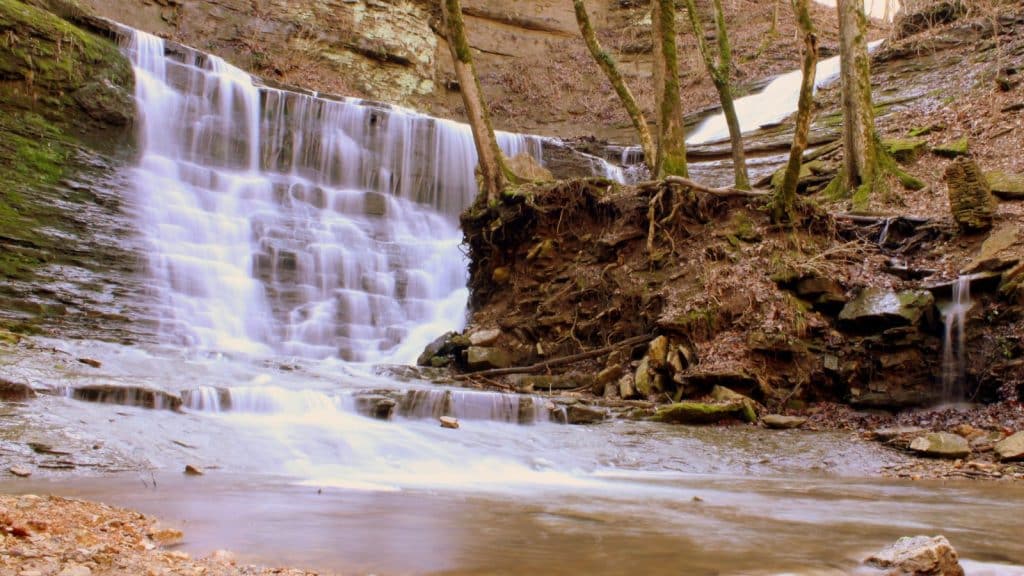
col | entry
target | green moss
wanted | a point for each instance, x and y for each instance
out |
(953, 149)
(905, 150)
(923, 130)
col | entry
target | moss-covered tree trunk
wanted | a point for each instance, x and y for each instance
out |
(611, 70)
(671, 159)
(492, 166)
(719, 69)
(782, 209)
(861, 164)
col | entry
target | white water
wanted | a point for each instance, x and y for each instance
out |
(775, 103)
(282, 222)
(954, 355)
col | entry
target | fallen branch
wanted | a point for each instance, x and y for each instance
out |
(571, 359)
(722, 192)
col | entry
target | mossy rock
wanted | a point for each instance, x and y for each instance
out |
(924, 130)
(878, 309)
(953, 149)
(905, 151)
(1006, 185)
(970, 199)
(705, 413)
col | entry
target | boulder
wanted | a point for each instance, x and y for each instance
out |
(918, 556)
(627, 386)
(485, 337)
(583, 414)
(647, 381)
(526, 167)
(128, 396)
(970, 199)
(433, 349)
(877, 309)
(780, 422)
(688, 412)
(941, 445)
(1011, 448)
(449, 422)
(657, 352)
(999, 251)
(1006, 185)
(15, 391)
(485, 358)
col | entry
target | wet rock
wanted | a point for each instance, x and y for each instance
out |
(128, 396)
(90, 362)
(376, 406)
(583, 414)
(1006, 185)
(15, 391)
(192, 470)
(918, 556)
(780, 422)
(1011, 448)
(20, 471)
(953, 149)
(485, 358)
(941, 445)
(970, 199)
(449, 422)
(646, 380)
(688, 412)
(434, 349)
(485, 337)
(877, 309)
(609, 374)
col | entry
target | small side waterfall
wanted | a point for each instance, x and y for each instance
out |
(286, 222)
(954, 357)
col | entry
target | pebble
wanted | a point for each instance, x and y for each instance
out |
(192, 470)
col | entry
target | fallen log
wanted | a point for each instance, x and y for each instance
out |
(560, 361)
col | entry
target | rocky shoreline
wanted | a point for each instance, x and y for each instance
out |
(53, 536)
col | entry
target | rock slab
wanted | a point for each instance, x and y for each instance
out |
(941, 445)
(918, 556)
(1011, 448)
(780, 422)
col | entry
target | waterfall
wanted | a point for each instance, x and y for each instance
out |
(954, 318)
(282, 222)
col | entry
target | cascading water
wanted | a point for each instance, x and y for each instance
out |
(286, 222)
(954, 318)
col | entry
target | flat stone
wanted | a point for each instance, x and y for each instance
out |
(886, 434)
(583, 414)
(780, 422)
(485, 337)
(919, 555)
(20, 471)
(75, 570)
(995, 252)
(485, 358)
(90, 362)
(952, 149)
(1011, 448)
(941, 445)
(449, 422)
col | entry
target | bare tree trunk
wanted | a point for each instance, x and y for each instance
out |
(860, 142)
(671, 132)
(492, 166)
(719, 71)
(611, 70)
(782, 209)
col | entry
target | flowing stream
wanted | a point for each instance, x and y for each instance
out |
(299, 242)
